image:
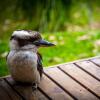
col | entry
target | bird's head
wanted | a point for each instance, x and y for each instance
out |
(24, 39)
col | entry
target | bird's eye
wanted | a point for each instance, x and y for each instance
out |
(12, 37)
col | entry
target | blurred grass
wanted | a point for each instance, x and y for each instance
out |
(69, 46)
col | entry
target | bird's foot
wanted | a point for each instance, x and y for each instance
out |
(34, 86)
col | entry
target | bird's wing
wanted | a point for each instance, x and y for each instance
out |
(7, 56)
(39, 64)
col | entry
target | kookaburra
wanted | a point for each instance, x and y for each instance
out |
(23, 60)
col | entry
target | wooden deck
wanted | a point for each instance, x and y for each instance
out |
(78, 80)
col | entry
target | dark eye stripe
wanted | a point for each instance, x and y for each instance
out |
(13, 37)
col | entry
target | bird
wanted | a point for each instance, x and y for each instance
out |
(24, 61)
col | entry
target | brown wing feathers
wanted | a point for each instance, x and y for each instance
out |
(39, 64)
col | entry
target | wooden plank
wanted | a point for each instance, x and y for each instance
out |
(51, 89)
(91, 68)
(3, 94)
(40, 96)
(69, 84)
(26, 92)
(10, 91)
(86, 80)
(96, 61)
(6, 93)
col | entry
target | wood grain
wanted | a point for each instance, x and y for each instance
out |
(90, 68)
(6, 92)
(83, 79)
(54, 91)
(96, 61)
(69, 84)
(26, 92)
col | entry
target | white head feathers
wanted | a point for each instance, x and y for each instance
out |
(20, 33)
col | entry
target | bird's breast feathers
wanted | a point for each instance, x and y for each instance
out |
(22, 58)
(23, 65)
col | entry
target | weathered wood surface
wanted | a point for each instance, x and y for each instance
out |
(78, 80)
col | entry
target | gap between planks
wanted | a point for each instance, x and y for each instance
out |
(56, 77)
(22, 96)
(87, 72)
(91, 60)
(79, 83)
(61, 87)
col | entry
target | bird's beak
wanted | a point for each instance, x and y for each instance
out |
(43, 43)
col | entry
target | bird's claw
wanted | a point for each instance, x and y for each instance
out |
(34, 86)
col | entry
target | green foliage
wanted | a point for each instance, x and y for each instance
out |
(50, 15)
(3, 52)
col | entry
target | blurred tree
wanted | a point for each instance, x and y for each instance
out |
(47, 15)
